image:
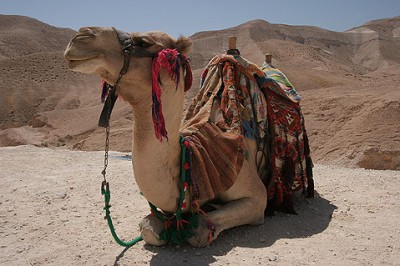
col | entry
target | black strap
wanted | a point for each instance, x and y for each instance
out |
(104, 120)
(129, 49)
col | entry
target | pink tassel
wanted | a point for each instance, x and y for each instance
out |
(158, 117)
(172, 61)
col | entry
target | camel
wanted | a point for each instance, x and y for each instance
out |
(156, 164)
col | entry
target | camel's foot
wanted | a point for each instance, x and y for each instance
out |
(204, 234)
(150, 229)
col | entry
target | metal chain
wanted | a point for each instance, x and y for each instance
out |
(107, 146)
(111, 89)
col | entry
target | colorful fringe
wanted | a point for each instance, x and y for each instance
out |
(181, 226)
(172, 61)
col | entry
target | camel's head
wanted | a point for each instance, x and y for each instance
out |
(98, 50)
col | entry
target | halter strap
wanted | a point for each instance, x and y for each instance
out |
(129, 49)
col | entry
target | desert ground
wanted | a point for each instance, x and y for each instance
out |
(51, 214)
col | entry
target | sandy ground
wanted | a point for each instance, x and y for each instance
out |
(51, 214)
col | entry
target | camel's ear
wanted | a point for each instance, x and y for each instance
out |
(146, 41)
(184, 45)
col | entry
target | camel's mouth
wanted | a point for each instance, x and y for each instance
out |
(71, 58)
(74, 61)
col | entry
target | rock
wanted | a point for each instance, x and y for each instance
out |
(375, 158)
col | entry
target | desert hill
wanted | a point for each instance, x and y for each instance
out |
(21, 36)
(348, 80)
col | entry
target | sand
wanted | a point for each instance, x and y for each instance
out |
(51, 214)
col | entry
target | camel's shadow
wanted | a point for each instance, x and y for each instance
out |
(314, 216)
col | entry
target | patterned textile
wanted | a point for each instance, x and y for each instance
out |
(284, 84)
(217, 158)
(287, 132)
(253, 105)
(218, 147)
(230, 79)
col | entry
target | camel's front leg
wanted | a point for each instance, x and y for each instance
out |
(246, 202)
(150, 229)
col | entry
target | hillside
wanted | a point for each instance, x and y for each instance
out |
(39, 92)
(348, 80)
(23, 36)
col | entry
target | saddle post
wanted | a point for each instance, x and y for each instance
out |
(232, 49)
(268, 58)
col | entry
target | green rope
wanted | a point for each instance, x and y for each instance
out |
(179, 227)
(182, 180)
(105, 190)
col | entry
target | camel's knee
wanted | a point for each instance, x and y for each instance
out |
(204, 234)
(258, 205)
(150, 229)
(257, 201)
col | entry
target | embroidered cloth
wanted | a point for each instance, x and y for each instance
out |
(238, 99)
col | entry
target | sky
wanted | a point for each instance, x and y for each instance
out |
(186, 17)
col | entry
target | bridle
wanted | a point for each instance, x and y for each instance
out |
(129, 49)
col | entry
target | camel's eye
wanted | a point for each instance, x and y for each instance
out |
(84, 33)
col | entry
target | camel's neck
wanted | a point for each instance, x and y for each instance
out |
(156, 164)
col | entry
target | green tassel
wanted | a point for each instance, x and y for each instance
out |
(178, 236)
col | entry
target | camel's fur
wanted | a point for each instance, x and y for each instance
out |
(156, 165)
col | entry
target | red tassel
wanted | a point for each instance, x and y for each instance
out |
(167, 224)
(171, 60)
(179, 224)
(158, 117)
